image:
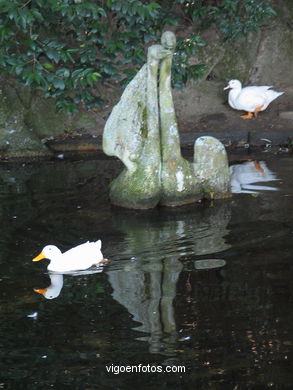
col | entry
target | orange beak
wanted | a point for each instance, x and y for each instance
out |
(41, 256)
(40, 290)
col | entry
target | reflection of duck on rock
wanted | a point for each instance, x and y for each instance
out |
(243, 175)
(251, 99)
(80, 257)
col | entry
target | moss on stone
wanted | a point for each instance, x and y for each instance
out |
(43, 118)
(137, 190)
(84, 120)
(15, 138)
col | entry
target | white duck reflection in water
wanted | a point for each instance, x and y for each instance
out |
(252, 171)
(54, 289)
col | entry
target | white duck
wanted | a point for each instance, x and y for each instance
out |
(251, 99)
(80, 257)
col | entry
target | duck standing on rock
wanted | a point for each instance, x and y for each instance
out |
(251, 99)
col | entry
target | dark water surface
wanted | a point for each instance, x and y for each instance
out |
(151, 308)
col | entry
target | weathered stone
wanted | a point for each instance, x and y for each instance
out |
(132, 134)
(286, 115)
(84, 120)
(11, 109)
(155, 171)
(26, 119)
(125, 130)
(274, 57)
(199, 100)
(178, 184)
(211, 167)
(238, 59)
(15, 142)
(15, 138)
(43, 118)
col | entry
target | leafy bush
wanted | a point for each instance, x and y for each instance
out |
(68, 48)
(234, 18)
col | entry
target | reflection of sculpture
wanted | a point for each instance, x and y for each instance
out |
(142, 132)
(146, 285)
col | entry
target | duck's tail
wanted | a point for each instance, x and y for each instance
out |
(272, 95)
(98, 244)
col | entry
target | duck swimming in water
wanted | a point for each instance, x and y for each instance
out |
(78, 258)
(251, 99)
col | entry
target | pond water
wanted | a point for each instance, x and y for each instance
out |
(206, 289)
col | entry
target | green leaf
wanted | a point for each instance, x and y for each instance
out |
(19, 69)
(53, 54)
(58, 83)
(34, 37)
(63, 72)
(48, 65)
(37, 14)
(96, 75)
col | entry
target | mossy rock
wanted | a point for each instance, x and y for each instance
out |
(43, 118)
(273, 64)
(84, 120)
(15, 138)
(238, 59)
(15, 142)
(11, 109)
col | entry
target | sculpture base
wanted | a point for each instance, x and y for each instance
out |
(182, 202)
(179, 184)
(137, 204)
(136, 190)
(217, 195)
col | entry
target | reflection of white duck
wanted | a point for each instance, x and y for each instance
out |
(242, 175)
(251, 99)
(80, 257)
(54, 289)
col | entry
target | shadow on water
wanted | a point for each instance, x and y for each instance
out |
(206, 286)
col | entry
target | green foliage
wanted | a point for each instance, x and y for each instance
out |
(66, 48)
(183, 71)
(234, 18)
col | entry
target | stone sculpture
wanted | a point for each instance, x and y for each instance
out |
(142, 132)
